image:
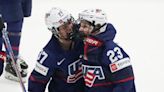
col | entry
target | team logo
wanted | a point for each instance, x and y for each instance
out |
(91, 73)
(74, 71)
(61, 61)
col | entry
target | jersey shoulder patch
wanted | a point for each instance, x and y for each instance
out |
(119, 65)
(41, 69)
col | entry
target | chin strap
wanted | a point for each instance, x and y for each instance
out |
(77, 35)
(97, 28)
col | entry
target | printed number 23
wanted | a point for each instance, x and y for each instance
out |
(115, 54)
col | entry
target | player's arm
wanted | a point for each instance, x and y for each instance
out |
(120, 68)
(128, 86)
(41, 74)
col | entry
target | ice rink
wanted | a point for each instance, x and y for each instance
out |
(139, 32)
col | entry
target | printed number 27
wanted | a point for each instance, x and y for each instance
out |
(115, 54)
(42, 56)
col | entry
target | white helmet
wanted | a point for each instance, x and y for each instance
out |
(95, 17)
(55, 18)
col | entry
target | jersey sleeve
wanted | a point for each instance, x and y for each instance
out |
(120, 67)
(42, 72)
(128, 86)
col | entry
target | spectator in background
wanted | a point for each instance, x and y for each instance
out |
(13, 13)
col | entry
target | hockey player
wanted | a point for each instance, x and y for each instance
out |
(106, 66)
(13, 13)
(58, 63)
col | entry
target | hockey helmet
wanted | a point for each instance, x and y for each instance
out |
(94, 17)
(55, 18)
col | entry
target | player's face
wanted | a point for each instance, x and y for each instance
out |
(85, 27)
(65, 30)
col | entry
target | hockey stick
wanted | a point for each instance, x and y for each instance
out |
(10, 51)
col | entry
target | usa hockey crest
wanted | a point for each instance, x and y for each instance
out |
(91, 73)
(74, 71)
